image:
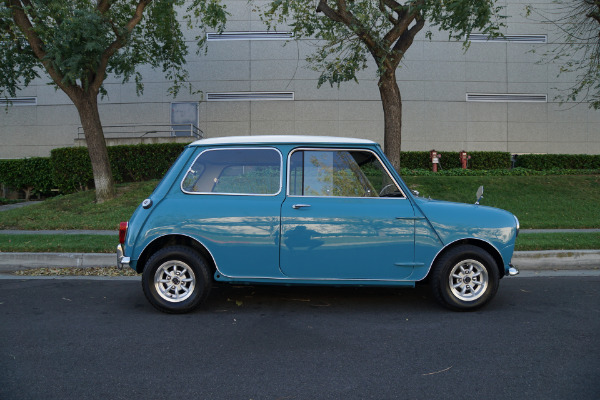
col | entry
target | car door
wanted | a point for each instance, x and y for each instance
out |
(344, 217)
(231, 204)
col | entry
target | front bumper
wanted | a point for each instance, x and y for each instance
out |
(512, 271)
(122, 261)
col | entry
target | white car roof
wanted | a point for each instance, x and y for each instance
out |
(280, 139)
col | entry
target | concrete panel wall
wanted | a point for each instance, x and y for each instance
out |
(434, 79)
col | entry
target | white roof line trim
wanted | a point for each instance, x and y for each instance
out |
(283, 139)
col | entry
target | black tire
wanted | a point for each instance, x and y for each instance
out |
(176, 279)
(464, 278)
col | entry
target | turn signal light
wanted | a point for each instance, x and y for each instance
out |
(123, 231)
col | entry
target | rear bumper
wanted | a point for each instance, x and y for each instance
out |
(512, 271)
(122, 261)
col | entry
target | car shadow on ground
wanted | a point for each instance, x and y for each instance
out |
(255, 297)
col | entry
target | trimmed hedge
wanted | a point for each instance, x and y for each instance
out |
(451, 159)
(69, 169)
(72, 168)
(542, 162)
(497, 172)
(31, 175)
(141, 162)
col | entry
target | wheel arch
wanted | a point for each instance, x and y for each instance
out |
(482, 244)
(174, 240)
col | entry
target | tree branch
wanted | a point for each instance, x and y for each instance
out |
(404, 22)
(117, 44)
(407, 38)
(390, 16)
(342, 15)
(104, 5)
(37, 45)
(595, 14)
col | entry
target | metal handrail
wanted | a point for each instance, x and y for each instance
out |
(147, 130)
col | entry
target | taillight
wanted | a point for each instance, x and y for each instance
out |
(123, 231)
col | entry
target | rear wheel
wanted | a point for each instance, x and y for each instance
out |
(176, 279)
(465, 278)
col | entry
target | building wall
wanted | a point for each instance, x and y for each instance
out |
(434, 81)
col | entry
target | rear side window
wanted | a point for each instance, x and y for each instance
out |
(235, 171)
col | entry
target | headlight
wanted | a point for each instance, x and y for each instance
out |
(518, 225)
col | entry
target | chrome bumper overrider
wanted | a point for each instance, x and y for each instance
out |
(122, 261)
(512, 271)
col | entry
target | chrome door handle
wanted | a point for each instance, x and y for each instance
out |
(297, 206)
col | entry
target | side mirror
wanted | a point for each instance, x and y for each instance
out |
(479, 194)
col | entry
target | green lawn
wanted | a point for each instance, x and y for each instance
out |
(78, 210)
(539, 202)
(555, 201)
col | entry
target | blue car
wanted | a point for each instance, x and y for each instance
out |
(302, 210)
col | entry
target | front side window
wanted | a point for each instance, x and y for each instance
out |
(235, 171)
(341, 173)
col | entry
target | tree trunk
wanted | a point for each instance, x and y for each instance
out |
(87, 106)
(392, 111)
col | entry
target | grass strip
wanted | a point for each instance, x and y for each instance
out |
(558, 241)
(107, 244)
(58, 243)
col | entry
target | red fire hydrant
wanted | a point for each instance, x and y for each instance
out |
(464, 157)
(435, 159)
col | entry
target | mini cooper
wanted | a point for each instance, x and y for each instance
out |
(301, 210)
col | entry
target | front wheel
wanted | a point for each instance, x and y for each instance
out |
(465, 278)
(176, 279)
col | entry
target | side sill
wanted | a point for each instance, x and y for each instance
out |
(316, 282)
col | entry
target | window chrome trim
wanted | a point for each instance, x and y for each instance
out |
(287, 192)
(236, 194)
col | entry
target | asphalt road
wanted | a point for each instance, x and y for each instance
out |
(100, 339)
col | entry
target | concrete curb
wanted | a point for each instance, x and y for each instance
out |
(16, 261)
(523, 260)
(557, 259)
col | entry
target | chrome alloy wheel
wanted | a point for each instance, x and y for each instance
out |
(468, 280)
(174, 281)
